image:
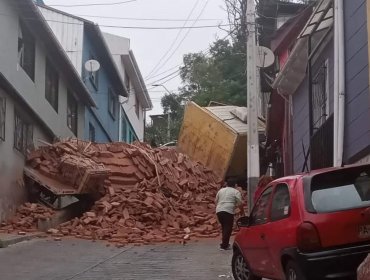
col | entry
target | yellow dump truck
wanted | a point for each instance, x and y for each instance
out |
(217, 137)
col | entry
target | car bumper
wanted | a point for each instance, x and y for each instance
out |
(331, 264)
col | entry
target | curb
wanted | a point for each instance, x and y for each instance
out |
(11, 239)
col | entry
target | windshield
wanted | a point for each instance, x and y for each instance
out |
(336, 192)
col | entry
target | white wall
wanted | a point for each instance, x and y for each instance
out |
(120, 46)
(69, 32)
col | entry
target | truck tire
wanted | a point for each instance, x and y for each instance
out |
(293, 272)
(240, 268)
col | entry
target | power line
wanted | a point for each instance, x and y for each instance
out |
(93, 4)
(183, 39)
(164, 72)
(150, 19)
(169, 75)
(129, 27)
(173, 42)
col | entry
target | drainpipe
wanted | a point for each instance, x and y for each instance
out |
(120, 123)
(341, 82)
(336, 84)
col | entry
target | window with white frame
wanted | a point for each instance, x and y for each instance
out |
(23, 134)
(91, 132)
(2, 117)
(137, 106)
(112, 103)
(26, 50)
(127, 81)
(94, 75)
(72, 113)
(51, 85)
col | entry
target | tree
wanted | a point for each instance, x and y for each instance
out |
(218, 75)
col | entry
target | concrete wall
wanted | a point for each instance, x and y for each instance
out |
(106, 127)
(357, 116)
(33, 92)
(12, 192)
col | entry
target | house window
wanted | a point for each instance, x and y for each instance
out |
(91, 132)
(124, 129)
(112, 103)
(2, 117)
(127, 81)
(137, 106)
(23, 134)
(72, 113)
(51, 85)
(94, 75)
(26, 50)
(320, 96)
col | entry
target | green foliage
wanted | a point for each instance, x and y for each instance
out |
(218, 76)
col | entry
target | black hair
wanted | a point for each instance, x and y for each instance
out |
(231, 182)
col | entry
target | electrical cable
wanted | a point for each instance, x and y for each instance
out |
(184, 38)
(173, 42)
(149, 19)
(92, 4)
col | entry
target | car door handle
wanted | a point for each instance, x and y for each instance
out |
(263, 236)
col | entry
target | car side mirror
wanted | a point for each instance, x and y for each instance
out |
(243, 222)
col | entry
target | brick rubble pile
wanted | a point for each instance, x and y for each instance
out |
(26, 218)
(150, 195)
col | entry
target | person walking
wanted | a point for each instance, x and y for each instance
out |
(227, 199)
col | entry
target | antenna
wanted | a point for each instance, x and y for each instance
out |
(264, 57)
(92, 66)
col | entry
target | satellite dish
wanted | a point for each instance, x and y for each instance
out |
(92, 65)
(264, 57)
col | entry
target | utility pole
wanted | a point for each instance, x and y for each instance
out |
(168, 126)
(252, 93)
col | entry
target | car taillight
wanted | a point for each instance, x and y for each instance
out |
(308, 239)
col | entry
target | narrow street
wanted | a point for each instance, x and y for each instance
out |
(79, 259)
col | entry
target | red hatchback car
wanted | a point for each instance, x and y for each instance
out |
(309, 226)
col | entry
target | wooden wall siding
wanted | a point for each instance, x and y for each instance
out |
(301, 108)
(357, 116)
(300, 126)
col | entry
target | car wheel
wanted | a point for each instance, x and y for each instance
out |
(293, 272)
(241, 270)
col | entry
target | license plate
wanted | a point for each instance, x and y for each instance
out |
(364, 231)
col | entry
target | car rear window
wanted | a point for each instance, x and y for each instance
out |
(341, 190)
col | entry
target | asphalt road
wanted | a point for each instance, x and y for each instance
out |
(80, 260)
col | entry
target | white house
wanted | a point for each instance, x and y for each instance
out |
(134, 107)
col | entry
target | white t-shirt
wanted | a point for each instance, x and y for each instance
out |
(227, 199)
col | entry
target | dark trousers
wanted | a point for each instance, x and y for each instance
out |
(227, 221)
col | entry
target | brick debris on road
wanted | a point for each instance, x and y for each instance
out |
(81, 259)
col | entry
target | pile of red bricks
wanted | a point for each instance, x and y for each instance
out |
(151, 195)
(26, 218)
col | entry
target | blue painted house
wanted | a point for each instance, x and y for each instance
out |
(82, 40)
(307, 83)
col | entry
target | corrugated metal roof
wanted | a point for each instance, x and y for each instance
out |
(224, 113)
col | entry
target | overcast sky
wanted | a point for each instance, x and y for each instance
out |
(150, 46)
